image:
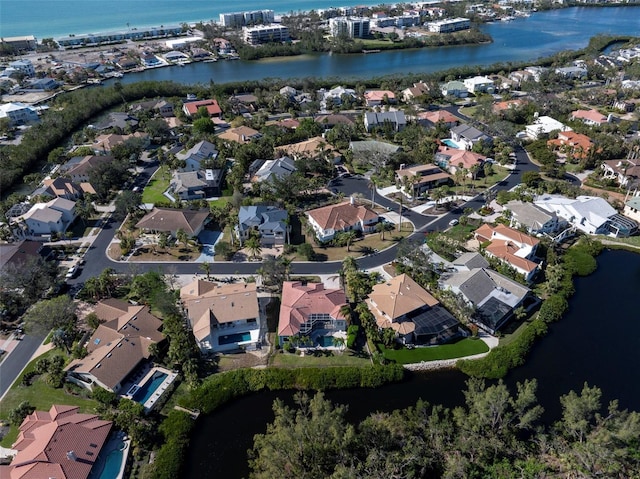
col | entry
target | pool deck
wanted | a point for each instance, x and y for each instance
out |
(143, 377)
(109, 447)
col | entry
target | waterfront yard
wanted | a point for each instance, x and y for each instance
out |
(319, 359)
(464, 347)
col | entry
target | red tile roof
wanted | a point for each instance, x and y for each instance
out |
(341, 215)
(212, 107)
(300, 301)
(60, 443)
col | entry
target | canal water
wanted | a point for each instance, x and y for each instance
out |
(523, 39)
(596, 342)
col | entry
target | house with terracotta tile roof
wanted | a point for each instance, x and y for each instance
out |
(434, 117)
(61, 443)
(242, 134)
(572, 143)
(346, 216)
(104, 143)
(191, 108)
(310, 310)
(413, 313)
(59, 187)
(379, 97)
(452, 159)
(311, 148)
(222, 317)
(170, 220)
(117, 347)
(590, 117)
(500, 107)
(510, 246)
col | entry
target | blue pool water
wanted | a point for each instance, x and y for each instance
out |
(234, 338)
(112, 463)
(148, 388)
(450, 143)
(325, 341)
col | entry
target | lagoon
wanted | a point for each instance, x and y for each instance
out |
(596, 342)
(523, 39)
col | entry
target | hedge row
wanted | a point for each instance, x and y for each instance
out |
(220, 388)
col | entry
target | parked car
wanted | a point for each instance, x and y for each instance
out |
(73, 271)
(453, 222)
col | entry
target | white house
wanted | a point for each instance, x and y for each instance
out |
(510, 246)
(455, 88)
(479, 84)
(54, 216)
(589, 214)
(632, 208)
(19, 113)
(543, 125)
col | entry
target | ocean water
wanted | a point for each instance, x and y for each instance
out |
(56, 18)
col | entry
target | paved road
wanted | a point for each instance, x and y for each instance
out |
(15, 362)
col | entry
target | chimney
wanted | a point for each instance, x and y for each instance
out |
(72, 456)
(352, 200)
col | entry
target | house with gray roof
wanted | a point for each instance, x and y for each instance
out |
(376, 119)
(195, 185)
(531, 217)
(54, 216)
(493, 296)
(120, 120)
(469, 261)
(467, 136)
(194, 156)
(170, 220)
(269, 221)
(278, 168)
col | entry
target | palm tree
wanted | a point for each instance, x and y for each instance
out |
(206, 267)
(181, 236)
(349, 237)
(381, 227)
(438, 194)
(162, 240)
(253, 245)
(286, 265)
(339, 342)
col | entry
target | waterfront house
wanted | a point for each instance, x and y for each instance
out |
(19, 114)
(59, 187)
(479, 84)
(414, 314)
(466, 136)
(335, 96)
(223, 317)
(117, 347)
(421, 178)
(509, 246)
(492, 296)
(455, 88)
(414, 92)
(346, 216)
(54, 216)
(572, 73)
(104, 143)
(190, 108)
(379, 97)
(396, 119)
(534, 219)
(196, 155)
(79, 168)
(589, 214)
(61, 443)
(269, 221)
(170, 220)
(311, 310)
(117, 120)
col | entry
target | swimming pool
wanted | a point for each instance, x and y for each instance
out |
(147, 389)
(325, 341)
(111, 465)
(234, 338)
(450, 143)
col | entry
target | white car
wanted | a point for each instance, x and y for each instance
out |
(453, 222)
(72, 272)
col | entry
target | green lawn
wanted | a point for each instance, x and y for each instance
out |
(158, 185)
(460, 349)
(345, 358)
(223, 200)
(40, 395)
(632, 241)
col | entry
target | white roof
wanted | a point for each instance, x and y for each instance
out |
(594, 209)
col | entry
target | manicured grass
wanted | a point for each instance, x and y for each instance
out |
(344, 358)
(369, 44)
(40, 395)
(158, 185)
(220, 202)
(464, 347)
(632, 241)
